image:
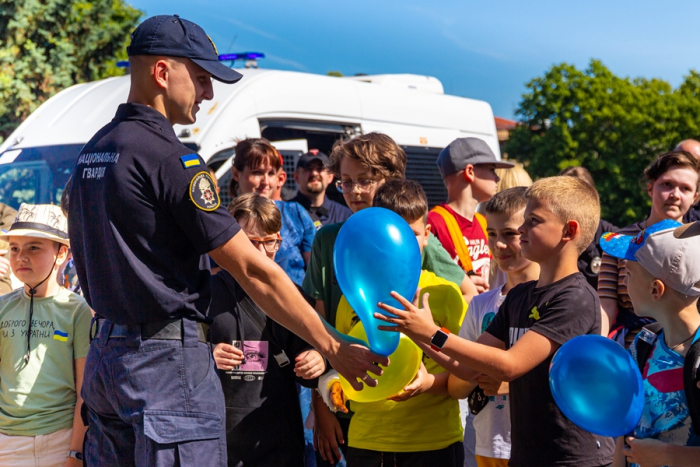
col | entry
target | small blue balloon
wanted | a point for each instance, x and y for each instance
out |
(597, 385)
(375, 253)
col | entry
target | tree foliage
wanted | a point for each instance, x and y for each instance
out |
(48, 45)
(612, 126)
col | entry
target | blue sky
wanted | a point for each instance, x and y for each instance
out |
(482, 50)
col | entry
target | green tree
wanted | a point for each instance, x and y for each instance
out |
(612, 126)
(48, 45)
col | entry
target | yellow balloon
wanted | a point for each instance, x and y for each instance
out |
(403, 366)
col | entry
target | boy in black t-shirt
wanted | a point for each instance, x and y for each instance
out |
(536, 318)
(259, 361)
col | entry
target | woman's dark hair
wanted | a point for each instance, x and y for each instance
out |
(668, 160)
(252, 153)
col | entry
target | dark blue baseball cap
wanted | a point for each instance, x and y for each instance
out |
(173, 36)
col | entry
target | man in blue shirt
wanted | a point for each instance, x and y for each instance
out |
(313, 177)
(143, 215)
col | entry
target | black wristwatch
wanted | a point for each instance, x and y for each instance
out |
(437, 342)
(76, 455)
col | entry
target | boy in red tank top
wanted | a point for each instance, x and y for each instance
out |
(468, 168)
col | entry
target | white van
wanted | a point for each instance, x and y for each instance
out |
(296, 111)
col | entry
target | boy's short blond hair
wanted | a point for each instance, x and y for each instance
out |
(376, 151)
(570, 199)
(252, 206)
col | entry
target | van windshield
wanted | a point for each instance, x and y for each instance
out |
(36, 175)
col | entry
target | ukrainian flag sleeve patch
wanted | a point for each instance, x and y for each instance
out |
(190, 160)
(60, 336)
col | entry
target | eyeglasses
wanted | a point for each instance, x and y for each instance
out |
(270, 245)
(365, 186)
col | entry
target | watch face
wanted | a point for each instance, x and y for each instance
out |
(439, 339)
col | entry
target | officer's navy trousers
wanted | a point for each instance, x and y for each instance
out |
(153, 402)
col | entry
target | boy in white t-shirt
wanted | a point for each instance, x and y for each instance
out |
(504, 214)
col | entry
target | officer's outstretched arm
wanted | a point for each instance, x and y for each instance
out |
(270, 288)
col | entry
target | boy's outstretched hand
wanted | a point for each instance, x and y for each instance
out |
(416, 323)
(309, 364)
(645, 452)
(492, 386)
(420, 384)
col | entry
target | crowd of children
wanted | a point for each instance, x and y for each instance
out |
(508, 276)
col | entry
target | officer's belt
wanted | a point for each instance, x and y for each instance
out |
(170, 329)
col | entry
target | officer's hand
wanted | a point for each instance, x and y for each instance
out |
(310, 364)
(71, 462)
(327, 432)
(352, 359)
(492, 386)
(227, 356)
(4, 263)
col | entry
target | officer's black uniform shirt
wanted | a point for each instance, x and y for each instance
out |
(329, 212)
(143, 212)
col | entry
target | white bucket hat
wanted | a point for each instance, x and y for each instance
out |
(39, 221)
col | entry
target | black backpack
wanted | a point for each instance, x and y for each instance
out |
(641, 352)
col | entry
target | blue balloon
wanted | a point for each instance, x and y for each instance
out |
(375, 253)
(597, 385)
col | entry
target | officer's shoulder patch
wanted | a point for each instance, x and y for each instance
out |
(190, 160)
(203, 192)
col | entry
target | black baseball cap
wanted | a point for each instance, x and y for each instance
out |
(173, 36)
(463, 151)
(312, 155)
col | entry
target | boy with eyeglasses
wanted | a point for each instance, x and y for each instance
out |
(363, 164)
(259, 360)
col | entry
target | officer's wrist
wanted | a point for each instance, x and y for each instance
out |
(329, 343)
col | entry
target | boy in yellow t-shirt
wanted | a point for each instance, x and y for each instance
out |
(418, 426)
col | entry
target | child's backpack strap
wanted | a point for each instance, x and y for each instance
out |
(457, 238)
(641, 350)
(482, 222)
(691, 368)
(691, 376)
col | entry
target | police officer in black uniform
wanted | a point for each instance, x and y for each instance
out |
(144, 213)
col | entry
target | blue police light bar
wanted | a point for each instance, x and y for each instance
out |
(241, 56)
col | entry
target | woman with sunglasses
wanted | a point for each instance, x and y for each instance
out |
(256, 167)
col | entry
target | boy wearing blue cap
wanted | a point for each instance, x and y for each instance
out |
(663, 282)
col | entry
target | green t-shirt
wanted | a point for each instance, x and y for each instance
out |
(320, 281)
(39, 397)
